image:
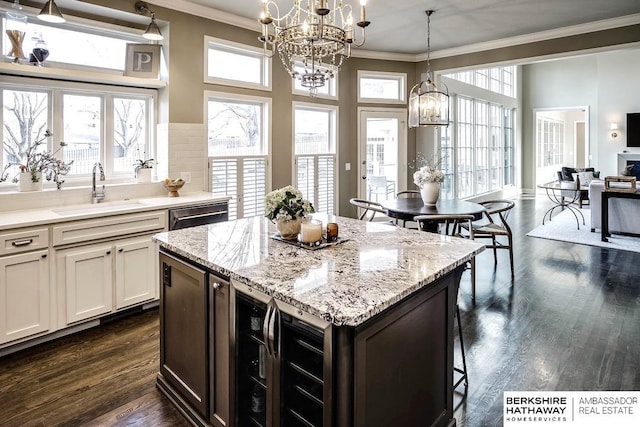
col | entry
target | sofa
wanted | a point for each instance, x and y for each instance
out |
(569, 178)
(624, 214)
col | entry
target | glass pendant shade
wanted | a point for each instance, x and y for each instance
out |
(428, 105)
(51, 13)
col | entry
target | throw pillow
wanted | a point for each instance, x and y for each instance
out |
(584, 178)
(626, 171)
(566, 173)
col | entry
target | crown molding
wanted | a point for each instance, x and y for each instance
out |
(573, 30)
(254, 25)
(209, 13)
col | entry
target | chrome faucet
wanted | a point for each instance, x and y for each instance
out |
(97, 197)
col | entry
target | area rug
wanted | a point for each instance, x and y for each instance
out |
(563, 227)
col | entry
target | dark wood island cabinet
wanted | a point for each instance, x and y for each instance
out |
(329, 340)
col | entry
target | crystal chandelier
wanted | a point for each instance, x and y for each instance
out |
(428, 103)
(312, 39)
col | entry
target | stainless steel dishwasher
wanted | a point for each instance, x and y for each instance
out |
(190, 216)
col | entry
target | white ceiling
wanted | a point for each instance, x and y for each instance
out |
(400, 26)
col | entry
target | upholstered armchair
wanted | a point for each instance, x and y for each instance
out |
(574, 178)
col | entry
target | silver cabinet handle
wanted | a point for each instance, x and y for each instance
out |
(19, 243)
(272, 332)
(182, 218)
(216, 285)
(265, 330)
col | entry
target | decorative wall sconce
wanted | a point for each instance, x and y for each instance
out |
(51, 13)
(614, 130)
(152, 32)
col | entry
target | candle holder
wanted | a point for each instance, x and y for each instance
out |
(311, 232)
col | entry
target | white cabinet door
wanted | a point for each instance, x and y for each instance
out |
(89, 281)
(24, 295)
(135, 271)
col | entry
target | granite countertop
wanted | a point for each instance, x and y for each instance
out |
(57, 214)
(345, 284)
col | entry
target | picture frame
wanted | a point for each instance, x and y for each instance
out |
(142, 60)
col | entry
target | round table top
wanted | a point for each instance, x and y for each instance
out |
(407, 208)
(555, 185)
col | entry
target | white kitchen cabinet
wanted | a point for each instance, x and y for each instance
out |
(135, 269)
(87, 275)
(24, 295)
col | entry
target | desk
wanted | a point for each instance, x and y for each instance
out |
(606, 195)
(406, 208)
(555, 194)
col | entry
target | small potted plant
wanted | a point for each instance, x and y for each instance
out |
(38, 163)
(142, 168)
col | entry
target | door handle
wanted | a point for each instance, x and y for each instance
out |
(265, 330)
(364, 177)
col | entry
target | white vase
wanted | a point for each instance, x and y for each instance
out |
(430, 192)
(25, 183)
(289, 229)
(144, 175)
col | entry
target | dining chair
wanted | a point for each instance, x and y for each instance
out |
(408, 194)
(369, 208)
(450, 225)
(380, 186)
(493, 225)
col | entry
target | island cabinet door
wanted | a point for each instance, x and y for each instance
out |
(183, 331)
(219, 368)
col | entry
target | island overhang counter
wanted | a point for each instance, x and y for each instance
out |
(375, 310)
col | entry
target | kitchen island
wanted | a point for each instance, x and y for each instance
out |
(256, 331)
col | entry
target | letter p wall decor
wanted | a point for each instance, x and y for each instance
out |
(143, 60)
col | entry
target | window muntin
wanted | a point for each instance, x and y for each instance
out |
(234, 64)
(238, 147)
(382, 87)
(498, 79)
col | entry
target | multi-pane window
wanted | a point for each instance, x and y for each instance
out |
(499, 79)
(97, 124)
(382, 87)
(235, 64)
(315, 130)
(238, 145)
(550, 141)
(477, 149)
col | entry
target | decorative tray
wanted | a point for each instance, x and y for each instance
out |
(311, 247)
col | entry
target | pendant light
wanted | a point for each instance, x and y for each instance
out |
(428, 103)
(153, 31)
(51, 13)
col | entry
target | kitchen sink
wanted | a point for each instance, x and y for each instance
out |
(98, 207)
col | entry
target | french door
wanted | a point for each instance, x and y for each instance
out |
(382, 152)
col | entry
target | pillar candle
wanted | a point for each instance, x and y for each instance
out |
(311, 231)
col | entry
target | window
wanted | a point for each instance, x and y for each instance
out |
(477, 148)
(499, 79)
(315, 134)
(379, 87)
(235, 64)
(329, 90)
(238, 141)
(104, 124)
(93, 46)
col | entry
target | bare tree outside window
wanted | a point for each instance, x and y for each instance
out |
(24, 121)
(129, 134)
(234, 129)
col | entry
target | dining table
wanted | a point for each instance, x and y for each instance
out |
(405, 209)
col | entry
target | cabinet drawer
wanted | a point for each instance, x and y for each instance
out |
(14, 242)
(108, 227)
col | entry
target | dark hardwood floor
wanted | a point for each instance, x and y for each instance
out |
(569, 321)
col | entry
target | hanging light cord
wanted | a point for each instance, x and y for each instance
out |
(429, 12)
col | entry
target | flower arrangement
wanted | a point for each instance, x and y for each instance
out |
(43, 162)
(429, 171)
(286, 204)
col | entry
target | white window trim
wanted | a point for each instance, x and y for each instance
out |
(266, 118)
(384, 75)
(237, 48)
(56, 89)
(336, 134)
